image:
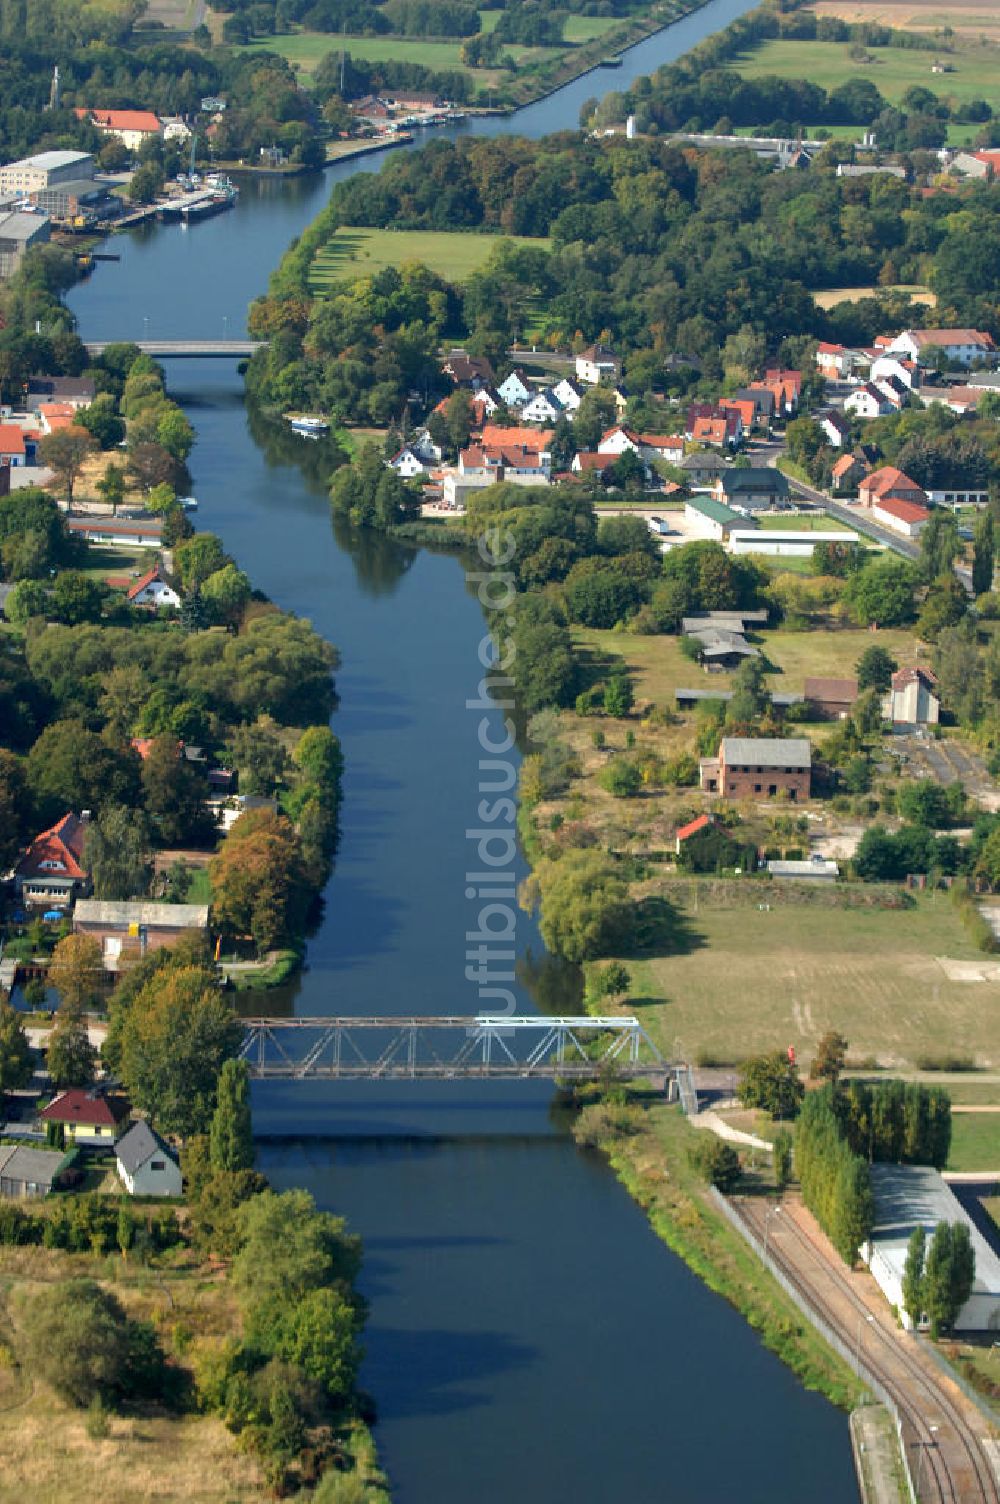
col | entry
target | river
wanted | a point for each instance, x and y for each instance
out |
(530, 1339)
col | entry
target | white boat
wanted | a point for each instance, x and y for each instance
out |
(189, 503)
(312, 427)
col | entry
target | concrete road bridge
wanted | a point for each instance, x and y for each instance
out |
(186, 349)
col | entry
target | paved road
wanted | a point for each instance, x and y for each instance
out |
(945, 1435)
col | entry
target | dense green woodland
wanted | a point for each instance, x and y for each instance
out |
(659, 249)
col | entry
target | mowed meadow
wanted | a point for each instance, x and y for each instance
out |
(893, 70)
(354, 251)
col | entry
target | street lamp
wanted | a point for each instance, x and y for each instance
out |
(923, 1445)
(767, 1225)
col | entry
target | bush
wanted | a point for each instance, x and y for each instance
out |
(621, 777)
(79, 1339)
(717, 1162)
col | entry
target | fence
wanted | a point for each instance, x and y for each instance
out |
(851, 1356)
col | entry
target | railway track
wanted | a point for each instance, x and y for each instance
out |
(950, 1466)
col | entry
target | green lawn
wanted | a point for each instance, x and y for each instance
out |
(760, 979)
(658, 666)
(809, 522)
(893, 69)
(585, 28)
(975, 1141)
(305, 49)
(359, 252)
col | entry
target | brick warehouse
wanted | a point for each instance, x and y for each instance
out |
(763, 766)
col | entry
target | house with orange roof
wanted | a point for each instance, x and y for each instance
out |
(849, 471)
(617, 440)
(56, 415)
(12, 445)
(51, 874)
(960, 345)
(537, 439)
(663, 446)
(890, 484)
(154, 590)
(692, 828)
(132, 127)
(905, 517)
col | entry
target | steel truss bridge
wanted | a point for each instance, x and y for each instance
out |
(481, 1047)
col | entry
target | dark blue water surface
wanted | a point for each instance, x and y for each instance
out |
(530, 1341)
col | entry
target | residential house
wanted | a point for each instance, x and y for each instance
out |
(708, 518)
(76, 391)
(707, 423)
(763, 405)
(960, 399)
(596, 364)
(132, 127)
(746, 407)
(484, 404)
(703, 467)
(787, 388)
(661, 446)
(759, 765)
(836, 427)
(543, 407)
(586, 462)
(155, 591)
(176, 129)
(471, 371)
(12, 446)
(407, 463)
(960, 493)
(867, 401)
(505, 462)
(118, 532)
(906, 372)
(960, 345)
(146, 1166)
(515, 389)
(893, 390)
(89, 1115)
(911, 699)
(830, 699)
(617, 440)
(888, 483)
(838, 362)
(56, 415)
(128, 931)
(905, 517)
(538, 440)
(51, 874)
(849, 471)
(692, 829)
(976, 164)
(755, 489)
(567, 394)
(27, 1172)
(424, 447)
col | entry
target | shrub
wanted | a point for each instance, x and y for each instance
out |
(717, 1162)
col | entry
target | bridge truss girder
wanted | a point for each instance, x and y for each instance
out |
(451, 1048)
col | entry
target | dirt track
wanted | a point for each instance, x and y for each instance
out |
(943, 1432)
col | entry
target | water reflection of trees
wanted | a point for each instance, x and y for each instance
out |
(555, 986)
(379, 562)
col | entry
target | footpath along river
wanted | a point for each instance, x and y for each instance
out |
(530, 1339)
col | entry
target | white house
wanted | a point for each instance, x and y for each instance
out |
(661, 446)
(544, 407)
(155, 590)
(567, 394)
(911, 700)
(961, 345)
(175, 129)
(146, 1166)
(868, 402)
(836, 427)
(596, 364)
(905, 371)
(424, 447)
(617, 440)
(514, 389)
(906, 517)
(407, 463)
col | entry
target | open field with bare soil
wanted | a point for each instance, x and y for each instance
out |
(967, 18)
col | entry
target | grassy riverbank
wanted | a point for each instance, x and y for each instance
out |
(652, 1162)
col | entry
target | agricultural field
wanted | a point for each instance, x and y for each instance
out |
(358, 252)
(305, 50)
(829, 297)
(751, 978)
(892, 69)
(966, 18)
(975, 1141)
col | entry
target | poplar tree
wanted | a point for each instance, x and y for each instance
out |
(231, 1133)
(913, 1275)
(938, 1279)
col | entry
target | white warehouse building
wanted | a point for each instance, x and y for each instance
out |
(785, 543)
(909, 1196)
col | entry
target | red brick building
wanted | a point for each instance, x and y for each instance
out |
(750, 767)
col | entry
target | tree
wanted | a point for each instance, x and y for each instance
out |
(70, 1056)
(76, 971)
(15, 810)
(174, 1039)
(174, 795)
(15, 1052)
(771, 1082)
(197, 559)
(782, 1159)
(259, 756)
(622, 777)
(882, 592)
(944, 606)
(938, 1282)
(71, 767)
(585, 907)
(231, 1133)
(828, 1061)
(618, 696)
(913, 1275)
(718, 1163)
(983, 554)
(963, 1268)
(116, 853)
(66, 452)
(853, 1208)
(258, 883)
(79, 1340)
(226, 594)
(112, 486)
(940, 544)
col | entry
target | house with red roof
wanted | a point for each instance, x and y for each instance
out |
(960, 345)
(849, 471)
(906, 517)
(51, 874)
(88, 1114)
(56, 415)
(890, 484)
(692, 828)
(537, 439)
(12, 447)
(133, 127)
(154, 591)
(617, 440)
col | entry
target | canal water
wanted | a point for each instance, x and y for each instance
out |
(530, 1339)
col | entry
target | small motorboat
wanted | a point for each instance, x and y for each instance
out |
(312, 428)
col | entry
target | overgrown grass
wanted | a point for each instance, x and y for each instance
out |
(975, 1141)
(893, 70)
(355, 251)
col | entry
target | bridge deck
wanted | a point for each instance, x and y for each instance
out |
(187, 349)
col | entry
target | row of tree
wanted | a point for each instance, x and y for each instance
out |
(836, 1183)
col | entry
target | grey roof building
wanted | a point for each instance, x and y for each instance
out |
(147, 1165)
(28, 1172)
(18, 233)
(792, 752)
